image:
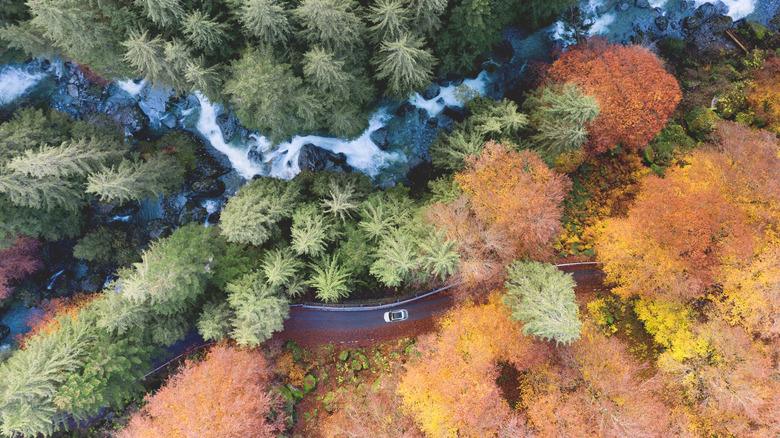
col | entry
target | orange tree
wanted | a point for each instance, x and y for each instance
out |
(226, 395)
(635, 94)
(511, 208)
(17, 261)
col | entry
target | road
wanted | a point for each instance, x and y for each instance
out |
(319, 326)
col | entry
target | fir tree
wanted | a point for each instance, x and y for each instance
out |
(214, 320)
(397, 259)
(308, 232)
(137, 180)
(425, 15)
(332, 24)
(260, 310)
(69, 159)
(165, 13)
(251, 216)
(266, 20)
(280, 268)
(203, 32)
(389, 20)
(330, 279)
(41, 193)
(326, 72)
(542, 296)
(340, 201)
(439, 256)
(405, 65)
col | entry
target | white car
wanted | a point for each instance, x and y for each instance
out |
(396, 315)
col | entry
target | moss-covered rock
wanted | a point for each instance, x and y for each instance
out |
(701, 121)
(309, 383)
(344, 355)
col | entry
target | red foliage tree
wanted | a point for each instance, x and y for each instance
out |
(225, 395)
(513, 209)
(636, 95)
(20, 259)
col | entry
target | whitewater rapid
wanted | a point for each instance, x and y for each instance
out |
(16, 80)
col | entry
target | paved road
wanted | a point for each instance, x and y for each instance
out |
(318, 326)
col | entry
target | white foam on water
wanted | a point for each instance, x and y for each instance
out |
(131, 87)
(448, 95)
(15, 81)
(658, 3)
(601, 24)
(737, 8)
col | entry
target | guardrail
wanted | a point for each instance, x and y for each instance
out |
(347, 307)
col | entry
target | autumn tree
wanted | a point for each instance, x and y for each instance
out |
(518, 192)
(18, 260)
(594, 388)
(633, 106)
(450, 388)
(226, 395)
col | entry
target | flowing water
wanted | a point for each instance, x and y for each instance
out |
(15, 80)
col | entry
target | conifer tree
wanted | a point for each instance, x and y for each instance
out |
(214, 320)
(425, 15)
(266, 20)
(309, 232)
(325, 71)
(341, 200)
(251, 215)
(280, 268)
(389, 18)
(405, 65)
(260, 310)
(165, 13)
(331, 24)
(137, 180)
(203, 32)
(329, 278)
(69, 159)
(397, 259)
(542, 296)
(41, 193)
(439, 255)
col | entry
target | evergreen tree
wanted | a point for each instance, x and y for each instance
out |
(41, 193)
(29, 129)
(542, 296)
(559, 116)
(389, 20)
(377, 219)
(269, 97)
(166, 13)
(439, 256)
(405, 65)
(137, 180)
(163, 63)
(500, 122)
(69, 159)
(397, 259)
(203, 32)
(330, 279)
(309, 232)
(214, 320)
(326, 72)
(340, 201)
(266, 20)
(29, 39)
(53, 224)
(425, 15)
(251, 215)
(260, 310)
(280, 268)
(332, 24)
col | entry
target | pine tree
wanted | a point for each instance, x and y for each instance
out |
(266, 20)
(326, 72)
(280, 268)
(29, 39)
(499, 122)
(29, 129)
(377, 220)
(137, 180)
(309, 232)
(146, 55)
(41, 193)
(69, 159)
(405, 65)
(397, 259)
(203, 32)
(214, 320)
(439, 255)
(390, 20)
(341, 200)
(425, 15)
(260, 310)
(559, 115)
(332, 24)
(251, 215)
(330, 279)
(542, 296)
(166, 13)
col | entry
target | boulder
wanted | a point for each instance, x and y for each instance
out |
(455, 113)
(208, 166)
(691, 23)
(208, 187)
(192, 213)
(661, 23)
(255, 155)
(158, 228)
(431, 91)
(380, 138)
(404, 109)
(132, 118)
(214, 218)
(4, 331)
(313, 158)
(228, 124)
(454, 78)
(169, 121)
(643, 4)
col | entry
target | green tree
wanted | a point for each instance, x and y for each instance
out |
(269, 97)
(69, 159)
(397, 258)
(214, 320)
(280, 268)
(326, 71)
(542, 296)
(559, 116)
(341, 200)
(332, 24)
(439, 256)
(309, 232)
(163, 12)
(29, 129)
(163, 63)
(53, 224)
(425, 15)
(205, 33)
(41, 193)
(330, 279)
(137, 180)
(260, 310)
(405, 65)
(266, 20)
(252, 215)
(389, 20)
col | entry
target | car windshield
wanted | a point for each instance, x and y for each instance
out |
(397, 314)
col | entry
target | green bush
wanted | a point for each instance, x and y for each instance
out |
(701, 121)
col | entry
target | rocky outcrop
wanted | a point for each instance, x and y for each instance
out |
(313, 158)
(208, 187)
(380, 138)
(192, 213)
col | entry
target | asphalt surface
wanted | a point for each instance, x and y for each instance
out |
(320, 326)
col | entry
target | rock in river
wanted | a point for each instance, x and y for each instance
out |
(313, 158)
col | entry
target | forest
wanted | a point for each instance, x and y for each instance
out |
(600, 226)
